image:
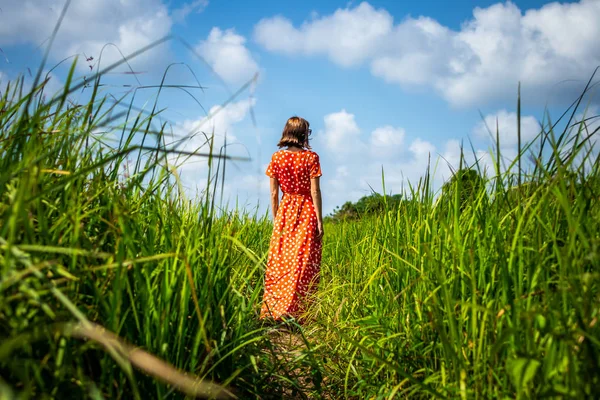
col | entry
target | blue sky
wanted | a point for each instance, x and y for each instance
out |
(384, 84)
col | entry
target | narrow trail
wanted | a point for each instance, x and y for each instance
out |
(294, 374)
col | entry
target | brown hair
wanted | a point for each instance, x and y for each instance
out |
(295, 133)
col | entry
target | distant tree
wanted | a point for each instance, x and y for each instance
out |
(466, 183)
(365, 206)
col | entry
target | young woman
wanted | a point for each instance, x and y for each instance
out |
(295, 252)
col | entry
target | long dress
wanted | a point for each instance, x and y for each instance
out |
(294, 260)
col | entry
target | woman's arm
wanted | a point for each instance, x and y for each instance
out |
(274, 196)
(315, 192)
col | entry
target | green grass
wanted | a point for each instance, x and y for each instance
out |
(496, 296)
(490, 297)
(80, 242)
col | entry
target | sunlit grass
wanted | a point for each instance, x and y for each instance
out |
(116, 285)
(490, 295)
(82, 244)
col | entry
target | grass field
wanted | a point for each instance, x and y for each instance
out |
(116, 286)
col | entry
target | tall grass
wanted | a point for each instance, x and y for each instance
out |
(115, 285)
(84, 243)
(491, 295)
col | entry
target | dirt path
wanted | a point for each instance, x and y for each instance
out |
(297, 373)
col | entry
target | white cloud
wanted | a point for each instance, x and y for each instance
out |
(387, 136)
(224, 118)
(386, 141)
(341, 133)
(342, 137)
(421, 148)
(220, 123)
(354, 160)
(347, 36)
(194, 6)
(227, 54)
(87, 27)
(247, 191)
(507, 128)
(278, 34)
(349, 175)
(484, 60)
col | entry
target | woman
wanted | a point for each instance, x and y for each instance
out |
(295, 252)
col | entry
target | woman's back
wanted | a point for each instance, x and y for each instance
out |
(294, 169)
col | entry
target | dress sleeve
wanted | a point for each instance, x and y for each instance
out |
(315, 166)
(272, 168)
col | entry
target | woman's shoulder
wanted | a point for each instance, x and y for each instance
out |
(312, 154)
(277, 154)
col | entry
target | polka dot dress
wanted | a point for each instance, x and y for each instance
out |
(294, 254)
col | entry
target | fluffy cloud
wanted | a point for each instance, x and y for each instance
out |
(355, 160)
(227, 54)
(386, 141)
(217, 126)
(347, 36)
(498, 47)
(118, 28)
(421, 148)
(88, 26)
(350, 175)
(341, 134)
(352, 178)
(507, 128)
(219, 122)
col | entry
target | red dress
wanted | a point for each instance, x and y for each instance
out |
(294, 254)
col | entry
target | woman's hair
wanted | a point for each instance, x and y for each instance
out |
(295, 133)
